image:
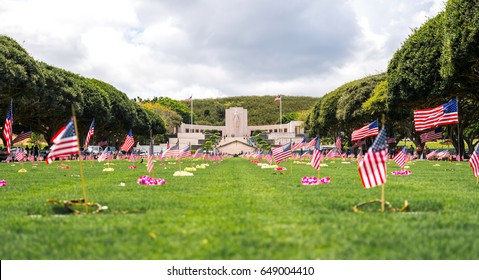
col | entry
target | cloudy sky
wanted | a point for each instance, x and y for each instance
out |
(216, 48)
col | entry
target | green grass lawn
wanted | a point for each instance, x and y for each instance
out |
(236, 210)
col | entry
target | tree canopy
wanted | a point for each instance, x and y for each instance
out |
(43, 97)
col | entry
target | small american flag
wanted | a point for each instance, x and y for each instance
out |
(198, 153)
(65, 142)
(151, 158)
(401, 157)
(132, 157)
(299, 145)
(104, 155)
(474, 161)
(372, 169)
(338, 144)
(310, 143)
(269, 157)
(432, 154)
(20, 155)
(185, 152)
(189, 98)
(278, 98)
(282, 153)
(129, 142)
(365, 131)
(22, 136)
(7, 129)
(432, 135)
(437, 116)
(172, 151)
(317, 156)
(90, 133)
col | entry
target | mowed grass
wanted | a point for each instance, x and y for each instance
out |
(236, 210)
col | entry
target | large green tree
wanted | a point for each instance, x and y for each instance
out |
(43, 98)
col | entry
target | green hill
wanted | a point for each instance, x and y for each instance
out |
(262, 110)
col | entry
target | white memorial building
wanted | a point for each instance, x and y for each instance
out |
(236, 132)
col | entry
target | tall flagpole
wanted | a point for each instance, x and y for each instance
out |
(191, 116)
(281, 113)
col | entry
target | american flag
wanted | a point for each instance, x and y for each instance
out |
(333, 153)
(445, 154)
(278, 98)
(129, 142)
(338, 144)
(172, 151)
(198, 153)
(20, 155)
(132, 157)
(359, 143)
(432, 135)
(151, 158)
(317, 156)
(372, 169)
(7, 129)
(104, 155)
(365, 131)
(189, 98)
(432, 154)
(282, 153)
(310, 143)
(185, 152)
(474, 161)
(90, 133)
(299, 145)
(65, 142)
(22, 136)
(269, 157)
(401, 157)
(437, 116)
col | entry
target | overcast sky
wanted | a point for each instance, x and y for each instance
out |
(216, 48)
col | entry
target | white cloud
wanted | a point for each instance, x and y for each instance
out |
(214, 48)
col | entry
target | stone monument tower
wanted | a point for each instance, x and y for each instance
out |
(236, 122)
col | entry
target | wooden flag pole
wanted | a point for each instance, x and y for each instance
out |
(80, 162)
(382, 198)
(382, 189)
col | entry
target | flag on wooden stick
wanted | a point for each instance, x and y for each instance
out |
(90, 133)
(474, 161)
(22, 136)
(365, 131)
(317, 156)
(65, 142)
(7, 129)
(372, 169)
(401, 157)
(129, 142)
(441, 115)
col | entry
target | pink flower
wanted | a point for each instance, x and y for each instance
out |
(401, 173)
(146, 180)
(3, 183)
(315, 181)
(132, 166)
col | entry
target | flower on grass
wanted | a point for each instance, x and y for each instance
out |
(132, 166)
(315, 181)
(147, 180)
(3, 183)
(402, 172)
